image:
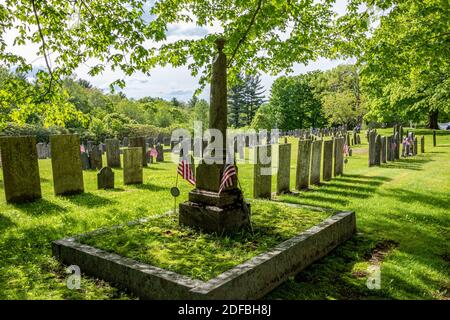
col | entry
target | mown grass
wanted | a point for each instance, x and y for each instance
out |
(405, 203)
(163, 243)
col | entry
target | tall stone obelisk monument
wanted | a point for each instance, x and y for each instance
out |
(207, 209)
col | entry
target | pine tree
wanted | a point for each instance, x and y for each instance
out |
(236, 100)
(254, 96)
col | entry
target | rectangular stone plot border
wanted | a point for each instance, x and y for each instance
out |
(249, 280)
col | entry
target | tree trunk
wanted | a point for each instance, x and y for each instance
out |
(433, 119)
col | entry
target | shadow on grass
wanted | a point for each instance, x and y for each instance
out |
(331, 276)
(89, 199)
(149, 187)
(40, 207)
(407, 163)
(439, 200)
(339, 192)
(5, 223)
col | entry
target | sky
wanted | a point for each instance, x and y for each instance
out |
(169, 82)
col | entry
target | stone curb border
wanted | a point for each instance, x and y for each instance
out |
(249, 280)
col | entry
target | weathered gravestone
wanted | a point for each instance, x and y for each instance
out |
(85, 162)
(338, 156)
(383, 150)
(166, 141)
(422, 144)
(327, 160)
(132, 165)
(389, 151)
(41, 150)
(95, 157)
(211, 208)
(160, 150)
(262, 172)
(377, 159)
(284, 168)
(396, 145)
(415, 146)
(66, 164)
(303, 164)
(316, 161)
(105, 178)
(20, 169)
(125, 142)
(372, 136)
(139, 142)
(113, 153)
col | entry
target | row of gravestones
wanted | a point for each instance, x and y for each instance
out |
(21, 170)
(91, 157)
(383, 149)
(319, 132)
(309, 168)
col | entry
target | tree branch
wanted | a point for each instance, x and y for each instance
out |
(244, 36)
(44, 48)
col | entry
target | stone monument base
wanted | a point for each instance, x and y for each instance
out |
(213, 212)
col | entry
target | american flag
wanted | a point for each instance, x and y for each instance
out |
(345, 150)
(153, 152)
(227, 177)
(185, 170)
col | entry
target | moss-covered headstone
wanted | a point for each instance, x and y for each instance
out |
(303, 164)
(20, 169)
(338, 156)
(139, 142)
(66, 164)
(316, 161)
(113, 153)
(327, 160)
(132, 166)
(262, 175)
(105, 178)
(284, 168)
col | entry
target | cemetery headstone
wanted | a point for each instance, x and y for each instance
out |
(132, 166)
(105, 178)
(160, 150)
(422, 144)
(207, 208)
(377, 160)
(262, 177)
(66, 164)
(389, 151)
(95, 157)
(85, 162)
(113, 153)
(284, 168)
(316, 161)
(41, 150)
(415, 146)
(383, 150)
(303, 164)
(338, 156)
(327, 159)
(20, 169)
(372, 137)
(139, 142)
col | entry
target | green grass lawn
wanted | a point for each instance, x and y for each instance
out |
(402, 218)
(163, 243)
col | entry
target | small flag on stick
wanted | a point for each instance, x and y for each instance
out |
(185, 170)
(227, 177)
(345, 150)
